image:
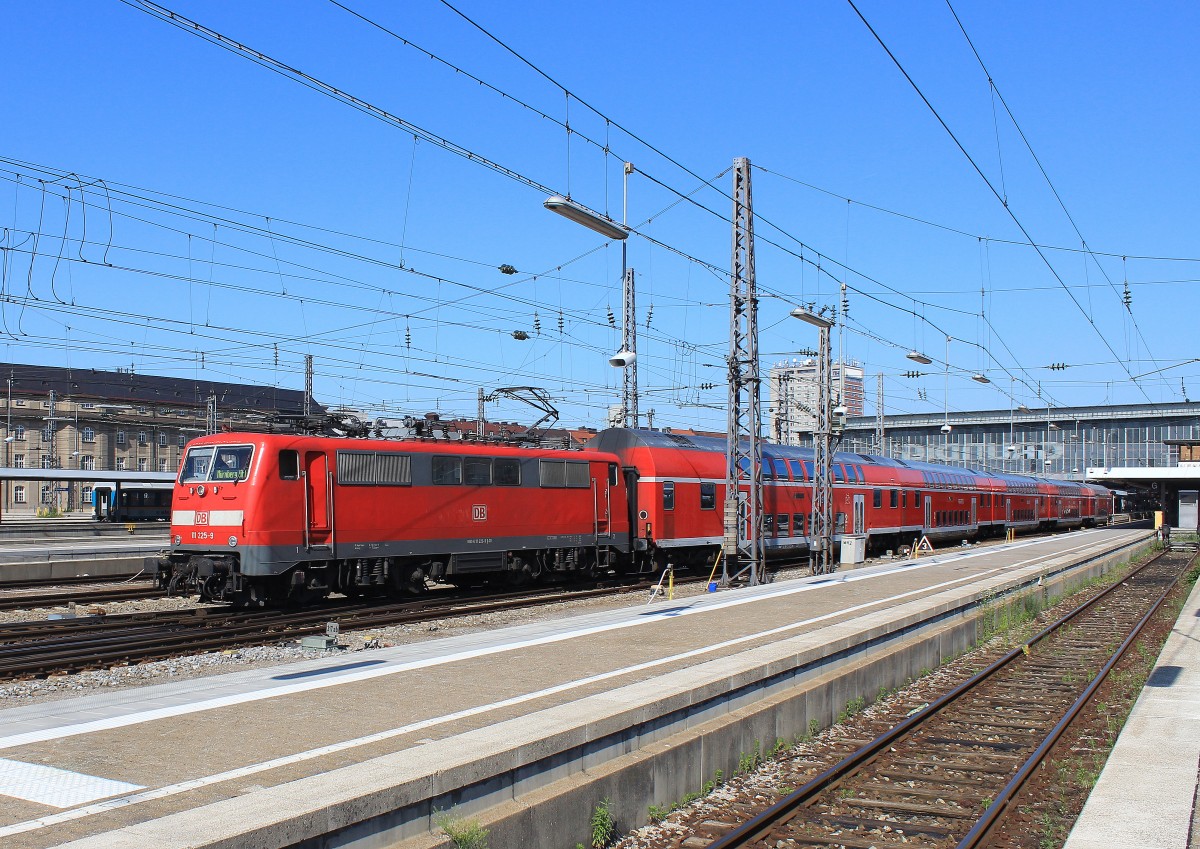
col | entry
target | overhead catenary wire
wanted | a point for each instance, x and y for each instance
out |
(1007, 208)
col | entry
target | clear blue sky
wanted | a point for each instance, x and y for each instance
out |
(255, 220)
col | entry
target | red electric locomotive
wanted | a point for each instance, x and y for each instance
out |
(260, 517)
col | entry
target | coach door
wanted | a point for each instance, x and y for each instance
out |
(859, 517)
(974, 512)
(928, 511)
(318, 506)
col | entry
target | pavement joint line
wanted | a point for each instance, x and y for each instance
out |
(333, 748)
(701, 605)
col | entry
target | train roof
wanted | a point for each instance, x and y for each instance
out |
(624, 439)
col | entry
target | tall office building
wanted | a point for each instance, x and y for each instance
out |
(794, 397)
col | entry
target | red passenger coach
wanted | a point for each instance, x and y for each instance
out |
(677, 488)
(259, 517)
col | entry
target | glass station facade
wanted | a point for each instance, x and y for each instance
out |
(1059, 443)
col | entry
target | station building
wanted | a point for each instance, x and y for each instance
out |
(92, 420)
(1045, 442)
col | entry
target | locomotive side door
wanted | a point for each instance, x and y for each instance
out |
(318, 506)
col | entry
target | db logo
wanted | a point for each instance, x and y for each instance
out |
(202, 518)
(479, 512)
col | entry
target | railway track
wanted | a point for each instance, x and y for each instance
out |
(98, 595)
(40, 648)
(947, 775)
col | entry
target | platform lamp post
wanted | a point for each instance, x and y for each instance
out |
(626, 358)
(946, 407)
(820, 525)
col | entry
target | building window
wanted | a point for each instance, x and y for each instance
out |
(20, 402)
(47, 461)
(18, 461)
(47, 494)
(142, 438)
(85, 495)
(89, 435)
(143, 410)
(87, 462)
(141, 465)
(46, 404)
(162, 440)
(120, 437)
(162, 464)
(120, 464)
(46, 434)
(19, 494)
(87, 406)
(19, 432)
(182, 440)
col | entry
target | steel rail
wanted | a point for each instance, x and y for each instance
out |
(761, 825)
(996, 812)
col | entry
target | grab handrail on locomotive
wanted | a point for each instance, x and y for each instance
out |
(259, 518)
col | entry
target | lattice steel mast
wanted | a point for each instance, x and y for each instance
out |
(743, 545)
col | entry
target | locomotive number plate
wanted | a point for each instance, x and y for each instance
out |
(479, 512)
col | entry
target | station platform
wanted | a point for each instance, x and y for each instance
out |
(525, 728)
(1147, 795)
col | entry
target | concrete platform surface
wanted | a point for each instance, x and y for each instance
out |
(1147, 792)
(281, 756)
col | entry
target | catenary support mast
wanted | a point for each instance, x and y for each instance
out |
(743, 543)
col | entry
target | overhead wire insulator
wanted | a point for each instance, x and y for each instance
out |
(649, 314)
(407, 337)
(560, 321)
(537, 324)
(612, 319)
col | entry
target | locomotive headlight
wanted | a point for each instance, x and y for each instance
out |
(233, 540)
(200, 490)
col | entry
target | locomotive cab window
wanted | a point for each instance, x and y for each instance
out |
(447, 471)
(668, 495)
(289, 465)
(708, 495)
(217, 463)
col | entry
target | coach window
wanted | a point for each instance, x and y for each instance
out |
(781, 469)
(668, 495)
(904, 498)
(447, 471)
(769, 525)
(798, 523)
(289, 465)
(708, 495)
(839, 473)
(799, 472)
(506, 471)
(781, 522)
(877, 498)
(477, 471)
